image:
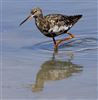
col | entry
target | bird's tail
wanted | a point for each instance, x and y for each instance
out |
(75, 18)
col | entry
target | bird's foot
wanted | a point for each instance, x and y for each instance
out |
(55, 48)
(56, 45)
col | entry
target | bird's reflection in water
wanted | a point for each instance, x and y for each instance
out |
(55, 70)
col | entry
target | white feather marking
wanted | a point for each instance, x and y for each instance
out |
(54, 29)
(63, 28)
(37, 24)
(58, 29)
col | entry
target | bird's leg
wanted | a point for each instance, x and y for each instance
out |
(71, 35)
(55, 44)
(54, 41)
(62, 40)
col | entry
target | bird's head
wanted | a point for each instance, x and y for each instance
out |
(35, 12)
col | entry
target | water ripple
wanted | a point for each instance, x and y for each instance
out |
(77, 44)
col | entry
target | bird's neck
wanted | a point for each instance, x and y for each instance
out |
(40, 18)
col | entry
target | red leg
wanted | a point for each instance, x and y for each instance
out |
(62, 40)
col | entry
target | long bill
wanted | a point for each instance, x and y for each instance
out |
(30, 16)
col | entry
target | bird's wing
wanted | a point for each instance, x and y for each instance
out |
(61, 23)
(58, 23)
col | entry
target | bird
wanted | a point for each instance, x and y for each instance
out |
(53, 25)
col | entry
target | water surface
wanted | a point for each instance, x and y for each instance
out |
(30, 67)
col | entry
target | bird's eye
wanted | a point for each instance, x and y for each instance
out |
(32, 12)
(35, 11)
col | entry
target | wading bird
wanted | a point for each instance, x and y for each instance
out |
(53, 25)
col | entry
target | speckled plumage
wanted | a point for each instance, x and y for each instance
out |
(46, 23)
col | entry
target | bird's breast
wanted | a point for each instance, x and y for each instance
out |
(43, 27)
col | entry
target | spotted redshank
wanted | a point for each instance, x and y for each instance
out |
(53, 25)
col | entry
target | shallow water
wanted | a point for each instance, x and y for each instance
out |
(30, 67)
